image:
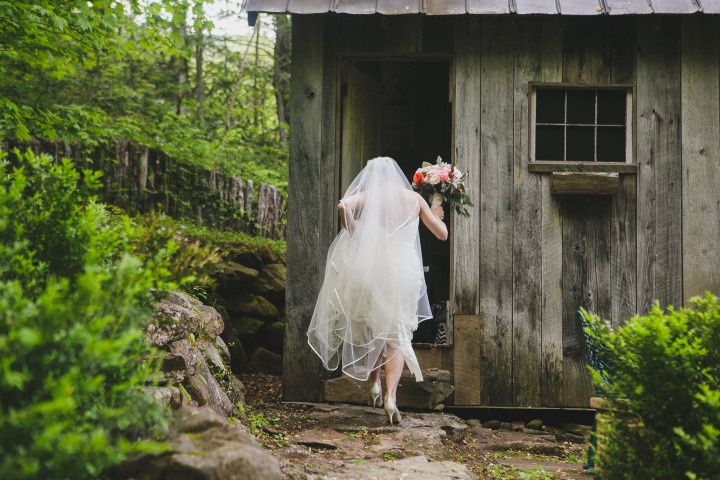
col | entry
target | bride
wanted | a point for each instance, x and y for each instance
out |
(373, 294)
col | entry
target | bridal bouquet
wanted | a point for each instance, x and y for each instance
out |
(442, 181)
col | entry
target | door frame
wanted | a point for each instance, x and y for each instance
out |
(343, 60)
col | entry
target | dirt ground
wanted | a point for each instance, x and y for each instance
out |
(342, 441)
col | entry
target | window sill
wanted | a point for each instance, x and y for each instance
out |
(581, 167)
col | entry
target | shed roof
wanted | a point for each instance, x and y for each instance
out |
(482, 7)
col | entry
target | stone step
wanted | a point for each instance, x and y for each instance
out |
(428, 394)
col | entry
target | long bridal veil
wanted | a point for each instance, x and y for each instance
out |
(373, 292)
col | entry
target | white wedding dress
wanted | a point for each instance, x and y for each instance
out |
(373, 292)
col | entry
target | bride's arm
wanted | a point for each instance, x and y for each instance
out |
(346, 207)
(432, 218)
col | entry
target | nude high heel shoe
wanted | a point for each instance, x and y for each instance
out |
(392, 411)
(375, 393)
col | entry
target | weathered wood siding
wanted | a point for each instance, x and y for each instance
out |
(526, 260)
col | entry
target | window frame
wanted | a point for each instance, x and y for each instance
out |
(548, 166)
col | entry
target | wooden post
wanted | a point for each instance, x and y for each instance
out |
(302, 369)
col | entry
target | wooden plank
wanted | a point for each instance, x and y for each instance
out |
(466, 118)
(700, 156)
(496, 185)
(358, 7)
(625, 7)
(301, 367)
(397, 7)
(659, 231)
(527, 224)
(586, 283)
(466, 360)
(309, 6)
(562, 166)
(571, 183)
(584, 46)
(623, 236)
(404, 34)
(488, 6)
(551, 238)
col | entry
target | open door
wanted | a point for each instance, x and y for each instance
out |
(361, 123)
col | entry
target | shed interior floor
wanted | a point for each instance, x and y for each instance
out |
(415, 127)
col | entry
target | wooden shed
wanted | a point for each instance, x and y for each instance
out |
(591, 133)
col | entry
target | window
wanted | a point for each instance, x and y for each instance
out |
(581, 125)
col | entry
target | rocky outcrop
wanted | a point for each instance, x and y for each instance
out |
(196, 366)
(204, 446)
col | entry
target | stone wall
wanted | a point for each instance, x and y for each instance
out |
(251, 299)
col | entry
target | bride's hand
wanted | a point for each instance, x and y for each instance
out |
(439, 212)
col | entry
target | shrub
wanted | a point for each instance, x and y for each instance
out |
(73, 301)
(664, 371)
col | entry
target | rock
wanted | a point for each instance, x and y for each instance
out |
(575, 429)
(234, 272)
(212, 355)
(428, 394)
(271, 279)
(246, 257)
(505, 426)
(170, 396)
(263, 360)
(203, 447)
(517, 425)
(178, 315)
(492, 424)
(250, 305)
(238, 358)
(202, 384)
(246, 326)
(223, 348)
(536, 424)
(473, 422)
(569, 437)
(415, 467)
(271, 336)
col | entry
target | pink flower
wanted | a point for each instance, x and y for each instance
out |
(443, 175)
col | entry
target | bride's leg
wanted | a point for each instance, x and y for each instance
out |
(393, 371)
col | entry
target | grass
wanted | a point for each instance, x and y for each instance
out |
(266, 429)
(231, 240)
(496, 471)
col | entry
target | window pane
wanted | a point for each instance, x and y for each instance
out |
(580, 143)
(550, 105)
(581, 106)
(611, 144)
(548, 142)
(611, 106)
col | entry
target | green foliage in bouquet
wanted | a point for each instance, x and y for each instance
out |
(73, 302)
(662, 374)
(444, 179)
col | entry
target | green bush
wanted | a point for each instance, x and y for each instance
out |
(73, 301)
(663, 369)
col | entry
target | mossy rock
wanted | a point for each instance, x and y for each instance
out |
(271, 282)
(250, 305)
(246, 326)
(234, 272)
(271, 336)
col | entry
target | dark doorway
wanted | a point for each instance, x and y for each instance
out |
(401, 109)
